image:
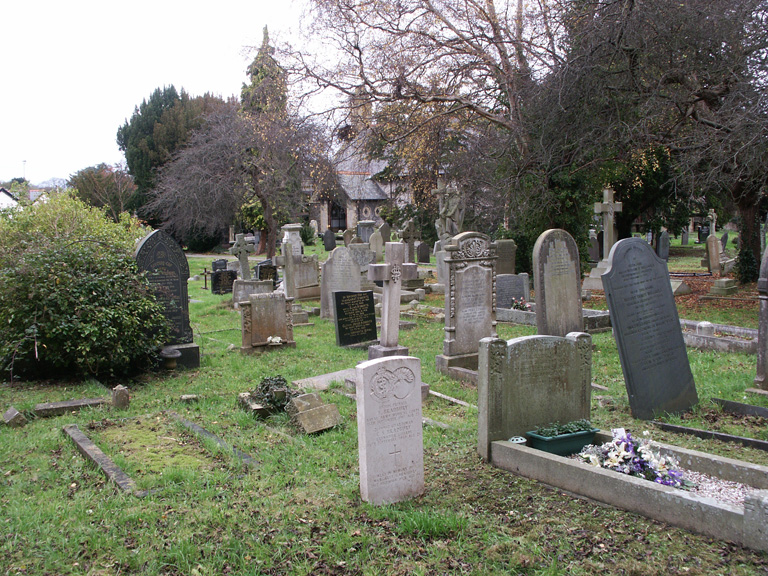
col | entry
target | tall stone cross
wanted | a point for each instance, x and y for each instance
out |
(287, 261)
(240, 250)
(409, 236)
(608, 208)
(392, 272)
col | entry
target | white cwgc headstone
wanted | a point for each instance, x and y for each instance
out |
(390, 443)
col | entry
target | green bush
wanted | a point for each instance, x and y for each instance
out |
(71, 298)
(307, 235)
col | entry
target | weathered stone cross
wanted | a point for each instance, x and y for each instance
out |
(240, 250)
(287, 261)
(608, 208)
(391, 273)
(409, 236)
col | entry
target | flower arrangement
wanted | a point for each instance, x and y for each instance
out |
(636, 458)
(520, 304)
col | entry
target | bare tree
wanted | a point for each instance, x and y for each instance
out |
(110, 187)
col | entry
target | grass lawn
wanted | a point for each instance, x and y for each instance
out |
(299, 511)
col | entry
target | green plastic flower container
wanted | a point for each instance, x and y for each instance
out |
(564, 444)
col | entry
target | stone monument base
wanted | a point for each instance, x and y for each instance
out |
(259, 348)
(308, 292)
(379, 351)
(462, 367)
(594, 280)
(190, 355)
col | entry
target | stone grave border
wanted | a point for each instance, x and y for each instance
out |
(744, 340)
(745, 525)
(595, 321)
(113, 472)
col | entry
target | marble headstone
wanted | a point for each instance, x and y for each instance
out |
(647, 330)
(557, 283)
(390, 442)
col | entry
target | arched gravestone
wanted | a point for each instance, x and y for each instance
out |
(167, 270)
(647, 331)
(557, 282)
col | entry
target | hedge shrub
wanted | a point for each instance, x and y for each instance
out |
(72, 302)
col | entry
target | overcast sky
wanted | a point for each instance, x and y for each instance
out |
(73, 72)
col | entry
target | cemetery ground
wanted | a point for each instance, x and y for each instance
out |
(298, 510)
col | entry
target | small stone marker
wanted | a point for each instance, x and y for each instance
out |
(311, 414)
(557, 282)
(240, 250)
(512, 286)
(724, 287)
(647, 330)
(267, 322)
(121, 397)
(529, 382)
(329, 240)
(14, 418)
(662, 245)
(247, 402)
(355, 317)
(222, 281)
(506, 250)
(389, 429)
(167, 270)
(423, 253)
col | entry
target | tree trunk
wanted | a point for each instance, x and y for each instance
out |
(747, 204)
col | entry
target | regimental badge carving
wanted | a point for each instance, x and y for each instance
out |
(396, 273)
(399, 383)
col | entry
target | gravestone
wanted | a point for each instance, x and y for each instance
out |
(762, 329)
(724, 243)
(240, 250)
(376, 244)
(363, 255)
(594, 247)
(301, 273)
(267, 322)
(220, 264)
(329, 240)
(470, 308)
(529, 382)
(409, 236)
(684, 237)
(168, 273)
(292, 236)
(392, 274)
(647, 331)
(222, 281)
(267, 271)
(386, 232)
(512, 286)
(355, 317)
(506, 250)
(662, 245)
(348, 235)
(389, 429)
(703, 233)
(713, 254)
(242, 290)
(340, 272)
(557, 283)
(423, 253)
(607, 208)
(365, 229)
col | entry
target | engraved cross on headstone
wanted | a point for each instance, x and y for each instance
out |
(608, 208)
(396, 453)
(240, 250)
(391, 273)
(409, 236)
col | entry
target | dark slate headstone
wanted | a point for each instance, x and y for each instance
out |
(329, 240)
(601, 245)
(512, 286)
(422, 253)
(647, 331)
(724, 242)
(355, 317)
(662, 245)
(267, 271)
(167, 270)
(222, 281)
(703, 233)
(217, 265)
(594, 247)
